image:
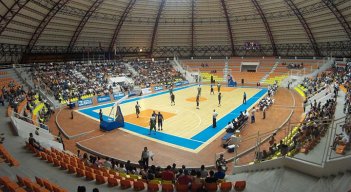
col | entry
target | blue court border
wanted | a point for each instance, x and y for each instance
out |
(192, 143)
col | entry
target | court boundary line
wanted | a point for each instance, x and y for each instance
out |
(203, 143)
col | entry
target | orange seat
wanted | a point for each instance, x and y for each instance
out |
(56, 163)
(63, 165)
(97, 172)
(166, 187)
(80, 172)
(100, 179)
(20, 180)
(12, 186)
(182, 188)
(112, 182)
(59, 189)
(125, 184)
(71, 169)
(139, 185)
(50, 159)
(240, 185)
(211, 186)
(4, 180)
(43, 156)
(29, 184)
(38, 188)
(39, 181)
(152, 187)
(48, 185)
(226, 186)
(89, 176)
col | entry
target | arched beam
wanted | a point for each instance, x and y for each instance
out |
(224, 6)
(11, 13)
(162, 4)
(46, 20)
(305, 26)
(339, 16)
(82, 23)
(266, 25)
(120, 23)
(192, 26)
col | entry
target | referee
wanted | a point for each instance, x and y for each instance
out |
(214, 118)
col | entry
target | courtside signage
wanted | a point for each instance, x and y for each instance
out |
(101, 99)
(118, 96)
(158, 88)
(85, 102)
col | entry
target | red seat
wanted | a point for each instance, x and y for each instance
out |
(211, 187)
(48, 185)
(196, 187)
(89, 176)
(182, 188)
(125, 184)
(100, 179)
(71, 169)
(112, 182)
(167, 187)
(240, 185)
(80, 172)
(226, 186)
(39, 181)
(152, 187)
(139, 185)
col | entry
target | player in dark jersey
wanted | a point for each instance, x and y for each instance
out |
(159, 121)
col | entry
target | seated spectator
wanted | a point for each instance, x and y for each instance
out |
(107, 164)
(220, 174)
(198, 179)
(167, 174)
(204, 173)
(211, 178)
(33, 142)
(185, 178)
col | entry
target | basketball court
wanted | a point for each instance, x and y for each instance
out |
(184, 126)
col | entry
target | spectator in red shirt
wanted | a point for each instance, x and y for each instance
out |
(185, 179)
(168, 175)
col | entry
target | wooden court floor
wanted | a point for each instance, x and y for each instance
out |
(125, 146)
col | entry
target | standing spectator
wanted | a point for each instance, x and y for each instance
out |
(145, 155)
(264, 112)
(253, 111)
(214, 119)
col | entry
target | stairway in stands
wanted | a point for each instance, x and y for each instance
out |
(272, 71)
(131, 69)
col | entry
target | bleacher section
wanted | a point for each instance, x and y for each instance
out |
(273, 78)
